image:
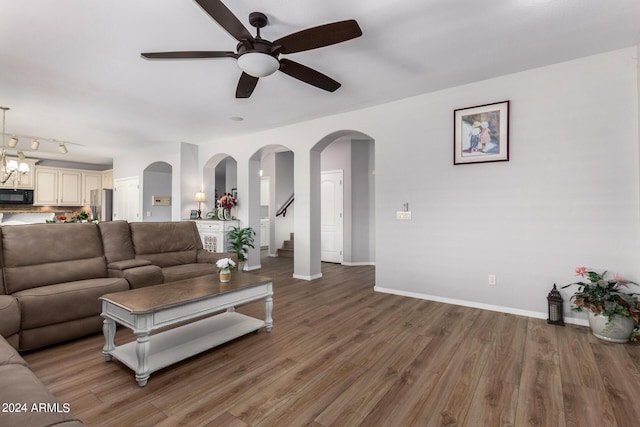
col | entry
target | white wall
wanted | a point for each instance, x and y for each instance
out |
(569, 195)
(189, 182)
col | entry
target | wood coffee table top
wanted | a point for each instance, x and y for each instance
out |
(157, 297)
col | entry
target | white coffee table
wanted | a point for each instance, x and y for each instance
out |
(147, 309)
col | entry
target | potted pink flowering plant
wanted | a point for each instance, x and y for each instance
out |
(614, 313)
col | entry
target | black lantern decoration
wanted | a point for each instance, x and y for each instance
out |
(554, 301)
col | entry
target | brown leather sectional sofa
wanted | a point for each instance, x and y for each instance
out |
(52, 276)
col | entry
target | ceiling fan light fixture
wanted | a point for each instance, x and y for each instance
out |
(258, 64)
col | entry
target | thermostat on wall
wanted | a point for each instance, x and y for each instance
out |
(161, 200)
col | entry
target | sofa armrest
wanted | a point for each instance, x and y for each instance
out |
(204, 256)
(127, 264)
(9, 316)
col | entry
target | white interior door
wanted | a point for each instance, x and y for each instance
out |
(331, 216)
(126, 199)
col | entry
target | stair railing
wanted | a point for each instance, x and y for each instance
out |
(283, 210)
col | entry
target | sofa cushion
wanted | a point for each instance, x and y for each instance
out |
(18, 385)
(146, 275)
(9, 315)
(126, 264)
(187, 271)
(116, 240)
(48, 305)
(31, 339)
(165, 244)
(45, 254)
(9, 355)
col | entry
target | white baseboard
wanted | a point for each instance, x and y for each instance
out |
(300, 276)
(253, 267)
(354, 264)
(498, 308)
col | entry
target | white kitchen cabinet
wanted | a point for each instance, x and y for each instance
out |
(107, 179)
(57, 187)
(264, 232)
(214, 234)
(265, 183)
(90, 181)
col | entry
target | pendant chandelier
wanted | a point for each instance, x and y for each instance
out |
(10, 168)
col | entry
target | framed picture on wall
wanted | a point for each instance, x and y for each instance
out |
(481, 134)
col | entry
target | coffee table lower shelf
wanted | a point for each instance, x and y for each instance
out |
(174, 345)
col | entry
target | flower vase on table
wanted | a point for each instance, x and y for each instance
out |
(224, 214)
(224, 267)
(225, 276)
(225, 204)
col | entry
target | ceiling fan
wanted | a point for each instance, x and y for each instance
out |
(258, 57)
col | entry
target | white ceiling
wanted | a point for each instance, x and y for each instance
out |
(71, 69)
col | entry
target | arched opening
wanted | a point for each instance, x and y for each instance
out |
(273, 186)
(156, 192)
(220, 176)
(347, 197)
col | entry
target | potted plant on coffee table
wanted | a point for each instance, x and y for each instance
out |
(613, 314)
(240, 240)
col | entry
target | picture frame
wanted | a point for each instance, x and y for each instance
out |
(234, 193)
(193, 214)
(481, 134)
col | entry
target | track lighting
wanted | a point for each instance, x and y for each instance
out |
(17, 142)
(10, 169)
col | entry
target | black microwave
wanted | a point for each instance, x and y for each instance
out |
(16, 197)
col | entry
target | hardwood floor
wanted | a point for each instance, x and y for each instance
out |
(343, 355)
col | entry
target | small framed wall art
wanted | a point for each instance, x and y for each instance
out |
(481, 134)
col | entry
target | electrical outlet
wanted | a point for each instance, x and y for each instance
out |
(403, 215)
(492, 279)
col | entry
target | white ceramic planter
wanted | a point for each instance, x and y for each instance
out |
(618, 330)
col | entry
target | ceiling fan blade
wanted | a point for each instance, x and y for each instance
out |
(246, 85)
(308, 75)
(227, 20)
(189, 55)
(320, 36)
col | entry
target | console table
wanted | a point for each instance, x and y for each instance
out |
(144, 310)
(214, 233)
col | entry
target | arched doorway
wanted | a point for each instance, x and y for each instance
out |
(220, 176)
(156, 192)
(274, 186)
(347, 197)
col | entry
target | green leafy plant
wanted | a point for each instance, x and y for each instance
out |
(80, 216)
(602, 295)
(240, 240)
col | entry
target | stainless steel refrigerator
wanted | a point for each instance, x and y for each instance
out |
(102, 204)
